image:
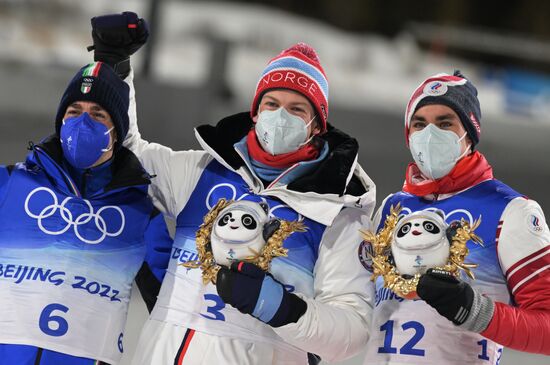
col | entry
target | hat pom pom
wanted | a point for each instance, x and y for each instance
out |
(458, 73)
(304, 49)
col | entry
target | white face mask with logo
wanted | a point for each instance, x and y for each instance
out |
(436, 151)
(280, 132)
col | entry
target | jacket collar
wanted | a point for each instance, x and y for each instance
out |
(331, 177)
(126, 169)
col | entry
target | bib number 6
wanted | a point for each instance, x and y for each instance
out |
(53, 325)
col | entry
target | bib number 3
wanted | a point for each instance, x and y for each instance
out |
(214, 311)
(53, 325)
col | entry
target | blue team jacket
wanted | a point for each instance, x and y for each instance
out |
(54, 235)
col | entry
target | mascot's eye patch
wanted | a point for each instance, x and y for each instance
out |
(404, 230)
(225, 219)
(430, 227)
(248, 221)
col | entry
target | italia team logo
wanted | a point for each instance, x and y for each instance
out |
(86, 85)
(435, 88)
(88, 74)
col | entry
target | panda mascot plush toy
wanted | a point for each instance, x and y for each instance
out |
(420, 242)
(240, 231)
(408, 245)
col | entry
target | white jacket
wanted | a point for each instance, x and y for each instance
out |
(335, 325)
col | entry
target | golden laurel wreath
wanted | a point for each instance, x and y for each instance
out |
(381, 244)
(273, 247)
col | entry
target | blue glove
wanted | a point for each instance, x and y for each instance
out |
(455, 300)
(253, 291)
(116, 37)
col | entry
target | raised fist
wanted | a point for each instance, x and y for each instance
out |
(116, 37)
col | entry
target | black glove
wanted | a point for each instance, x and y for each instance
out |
(116, 37)
(455, 300)
(253, 291)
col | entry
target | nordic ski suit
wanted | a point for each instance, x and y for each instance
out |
(190, 324)
(513, 268)
(68, 256)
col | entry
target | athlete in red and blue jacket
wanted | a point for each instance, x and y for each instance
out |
(508, 304)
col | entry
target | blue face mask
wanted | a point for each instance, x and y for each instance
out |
(84, 140)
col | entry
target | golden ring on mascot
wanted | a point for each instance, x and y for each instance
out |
(240, 231)
(408, 245)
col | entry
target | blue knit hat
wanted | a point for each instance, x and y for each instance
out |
(456, 92)
(99, 83)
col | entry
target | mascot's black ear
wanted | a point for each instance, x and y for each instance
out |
(265, 207)
(440, 213)
(270, 228)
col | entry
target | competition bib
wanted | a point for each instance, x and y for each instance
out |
(66, 267)
(184, 299)
(410, 331)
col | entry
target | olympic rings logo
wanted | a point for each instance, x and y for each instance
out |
(457, 213)
(70, 220)
(231, 194)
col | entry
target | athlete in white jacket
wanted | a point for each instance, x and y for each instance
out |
(285, 154)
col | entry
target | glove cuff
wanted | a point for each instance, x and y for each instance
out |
(122, 68)
(481, 314)
(120, 65)
(291, 310)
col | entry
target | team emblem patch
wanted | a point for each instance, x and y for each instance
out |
(365, 254)
(535, 223)
(435, 88)
(86, 85)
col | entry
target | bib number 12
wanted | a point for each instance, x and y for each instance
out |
(409, 347)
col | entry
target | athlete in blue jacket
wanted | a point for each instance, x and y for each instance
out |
(75, 230)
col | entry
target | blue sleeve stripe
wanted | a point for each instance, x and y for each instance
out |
(271, 296)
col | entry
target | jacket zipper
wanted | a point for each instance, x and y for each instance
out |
(70, 182)
(85, 177)
(37, 150)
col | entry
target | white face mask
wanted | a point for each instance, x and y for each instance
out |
(436, 151)
(280, 132)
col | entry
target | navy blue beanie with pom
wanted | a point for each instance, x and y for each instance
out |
(456, 92)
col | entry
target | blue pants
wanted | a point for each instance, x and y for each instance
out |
(30, 355)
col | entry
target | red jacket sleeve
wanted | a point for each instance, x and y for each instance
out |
(527, 326)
